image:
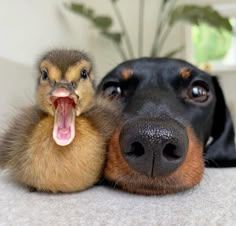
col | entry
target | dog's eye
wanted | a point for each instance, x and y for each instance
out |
(198, 93)
(44, 75)
(112, 91)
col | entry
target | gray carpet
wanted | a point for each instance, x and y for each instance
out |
(213, 202)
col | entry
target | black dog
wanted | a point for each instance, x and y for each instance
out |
(174, 118)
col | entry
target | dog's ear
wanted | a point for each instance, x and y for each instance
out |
(221, 152)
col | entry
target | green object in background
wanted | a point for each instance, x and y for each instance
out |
(210, 44)
(169, 14)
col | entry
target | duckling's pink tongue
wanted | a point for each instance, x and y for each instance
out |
(64, 122)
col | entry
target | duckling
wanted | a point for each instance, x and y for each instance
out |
(59, 144)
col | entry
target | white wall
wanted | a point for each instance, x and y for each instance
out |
(29, 27)
(18, 84)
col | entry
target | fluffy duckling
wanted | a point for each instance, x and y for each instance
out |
(59, 144)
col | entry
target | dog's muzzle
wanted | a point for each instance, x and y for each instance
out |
(153, 147)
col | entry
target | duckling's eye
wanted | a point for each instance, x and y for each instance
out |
(44, 75)
(198, 93)
(84, 74)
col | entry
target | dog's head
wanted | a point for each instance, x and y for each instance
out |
(174, 118)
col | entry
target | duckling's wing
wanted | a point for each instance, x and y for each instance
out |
(15, 140)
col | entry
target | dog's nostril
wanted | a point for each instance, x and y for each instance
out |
(136, 149)
(170, 152)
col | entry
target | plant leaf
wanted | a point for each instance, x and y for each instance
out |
(175, 51)
(102, 22)
(200, 14)
(90, 12)
(114, 36)
(165, 1)
(77, 8)
(82, 10)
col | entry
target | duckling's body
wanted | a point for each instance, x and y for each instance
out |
(30, 151)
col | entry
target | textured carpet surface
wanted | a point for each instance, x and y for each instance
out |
(213, 202)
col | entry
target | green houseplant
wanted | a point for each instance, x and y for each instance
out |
(169, 14)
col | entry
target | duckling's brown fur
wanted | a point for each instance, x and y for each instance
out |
(29, 152)
(34, 159)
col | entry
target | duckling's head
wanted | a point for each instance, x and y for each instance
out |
(65, 90)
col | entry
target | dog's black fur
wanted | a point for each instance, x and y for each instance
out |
(161, 91)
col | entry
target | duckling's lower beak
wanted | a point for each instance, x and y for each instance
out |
(64, 117)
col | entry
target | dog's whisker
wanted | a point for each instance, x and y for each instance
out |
(116, 182)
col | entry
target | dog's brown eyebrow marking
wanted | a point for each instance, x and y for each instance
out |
(185, 72)
(126, 74)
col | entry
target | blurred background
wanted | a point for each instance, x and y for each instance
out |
(112, 31)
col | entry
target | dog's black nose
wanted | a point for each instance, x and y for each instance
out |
(153, 147)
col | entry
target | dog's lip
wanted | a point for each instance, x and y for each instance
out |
(154, 186)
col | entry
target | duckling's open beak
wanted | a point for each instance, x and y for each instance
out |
(64, 117)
